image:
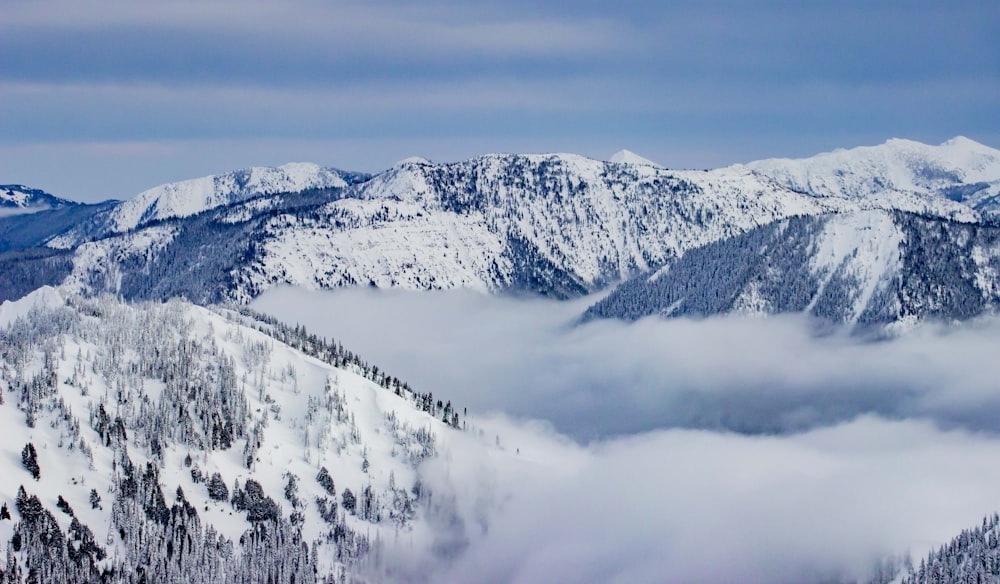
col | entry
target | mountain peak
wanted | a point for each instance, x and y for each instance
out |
(411, 160)
(192, 196)
(960, 141)
(628, 157)
(21, 199)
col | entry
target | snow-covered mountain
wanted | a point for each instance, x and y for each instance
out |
(629, 157)
(561, 225)
(869, 268)
(960, 170)
(553, 224)
(190, 197)
(19, 199)
(169, 442)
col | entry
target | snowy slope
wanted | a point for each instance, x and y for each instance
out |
(898, 173)
(44, 297)
(190, 197)
(971, 556)
(144, 404)
(864, 269)
(19, 199)
(629, 157)
(551, 224)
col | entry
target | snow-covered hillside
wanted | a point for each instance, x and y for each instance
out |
(560, 225)
(181, 199)
(190, 197)
(629, 157)
(866, 268)
(553, 224)
(972, 556)
(167, 440)
(18, 199)
(960, 170)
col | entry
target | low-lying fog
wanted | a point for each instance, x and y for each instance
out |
(720, 450)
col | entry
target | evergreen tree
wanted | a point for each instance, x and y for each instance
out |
(326, 481)
(29, 458)
(217, 489)
(348, 501)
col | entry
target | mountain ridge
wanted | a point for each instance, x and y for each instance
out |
(560, 225)
(866, 270)
(19, 199)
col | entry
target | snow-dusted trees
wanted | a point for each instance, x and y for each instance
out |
(326, 481)
(335, 354)
(217, 489)
(348, 501)
(972, 556)
(152, 383)
(29, 458)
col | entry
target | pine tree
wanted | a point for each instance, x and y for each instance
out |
(326, 481)
(217, 490)
(29, 458)
(348, 501)
(95, 499)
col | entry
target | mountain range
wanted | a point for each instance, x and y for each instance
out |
(191, 439)
(558, 225)
(866, 269)
(22, 200)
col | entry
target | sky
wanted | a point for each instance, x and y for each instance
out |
(727, 449)
(105, 98)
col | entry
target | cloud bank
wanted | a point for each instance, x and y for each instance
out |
(684, 506)
(526, 358)
(720, 450)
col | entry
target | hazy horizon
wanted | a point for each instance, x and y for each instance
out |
(104, 99)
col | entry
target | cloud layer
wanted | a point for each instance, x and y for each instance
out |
(721, 450)
(692, 506)
(525, 358)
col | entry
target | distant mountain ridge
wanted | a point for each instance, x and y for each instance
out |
(959, 169)
(560, 225)
(866, 269)
(21, 199)
(190, 197)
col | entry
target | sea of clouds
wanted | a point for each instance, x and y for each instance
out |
(717, 450)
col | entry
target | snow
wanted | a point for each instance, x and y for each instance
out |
(20, 200)
(400, 229)
(900, 174)
(419, 160)
(423, 226)
(629, 157)
(44, 297)
(102, 258)
(865, 245)
(279, 382)
(189, 197)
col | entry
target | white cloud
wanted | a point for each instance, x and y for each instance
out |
(636, 497)
(696, 506)
(524, 357)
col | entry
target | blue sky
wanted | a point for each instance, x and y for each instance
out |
(104, 98)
